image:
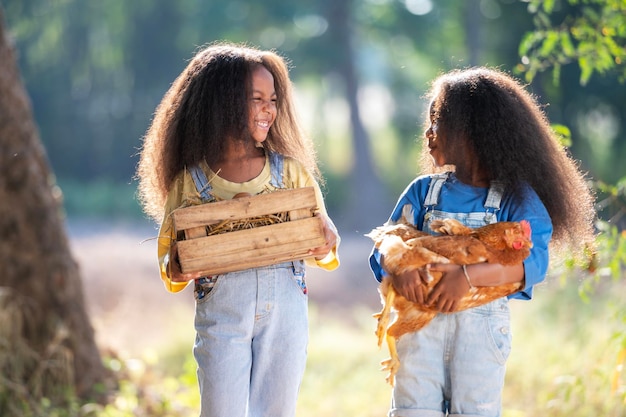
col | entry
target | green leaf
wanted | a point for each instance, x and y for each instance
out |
(586, 69)
(564, 134)
(556, 73)
(566, 44)
(529, 41)
(548, 5)
(549, 44)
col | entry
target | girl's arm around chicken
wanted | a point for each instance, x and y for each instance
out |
(456, 282)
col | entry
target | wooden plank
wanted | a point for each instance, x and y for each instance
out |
(256, 238)
(195, 232)
(244, 207)
(250, 248)
(299, 214)
(237, 262)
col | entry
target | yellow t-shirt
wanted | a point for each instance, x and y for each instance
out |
(183, 193)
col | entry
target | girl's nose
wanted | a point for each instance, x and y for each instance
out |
(268, 106)
(431, 131)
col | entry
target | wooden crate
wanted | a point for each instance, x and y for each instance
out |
(249, 248)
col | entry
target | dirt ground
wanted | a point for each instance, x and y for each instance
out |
(133, 313)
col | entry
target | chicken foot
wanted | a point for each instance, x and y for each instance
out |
(393, 363)
(384, 315)
(413, 320)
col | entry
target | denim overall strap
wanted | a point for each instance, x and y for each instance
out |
(494, 197)
(491, 204)
(201, 182)
(277, 163)
(434, 189)
(203, 285)
(276, 167)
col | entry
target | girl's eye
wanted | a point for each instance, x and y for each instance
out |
(260, 101)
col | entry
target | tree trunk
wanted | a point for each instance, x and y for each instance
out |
(368, 202)
(47, 345)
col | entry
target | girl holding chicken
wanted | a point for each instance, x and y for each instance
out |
(489, 155)
(227, 126)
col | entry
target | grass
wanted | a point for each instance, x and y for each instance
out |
(343, 376)
(564, 362)
(565, 353)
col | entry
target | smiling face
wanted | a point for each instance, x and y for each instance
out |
(262, 104)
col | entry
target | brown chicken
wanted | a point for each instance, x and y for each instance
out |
(405, 248)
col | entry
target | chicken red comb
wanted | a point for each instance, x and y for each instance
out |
(525, 228)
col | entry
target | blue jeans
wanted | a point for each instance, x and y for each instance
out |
(251, 341)
(455, 365)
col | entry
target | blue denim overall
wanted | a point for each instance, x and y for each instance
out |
(455, 366)
(251, 332)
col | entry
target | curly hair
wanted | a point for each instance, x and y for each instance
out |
(511, 137)
(208, 104)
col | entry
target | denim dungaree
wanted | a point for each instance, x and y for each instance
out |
(456, 364)
(251, 332)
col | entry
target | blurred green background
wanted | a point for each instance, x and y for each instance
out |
(95, 71)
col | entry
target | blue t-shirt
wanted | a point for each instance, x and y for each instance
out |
(457, 197)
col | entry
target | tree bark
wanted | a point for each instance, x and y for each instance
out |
(47, 339)
(368, 202)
